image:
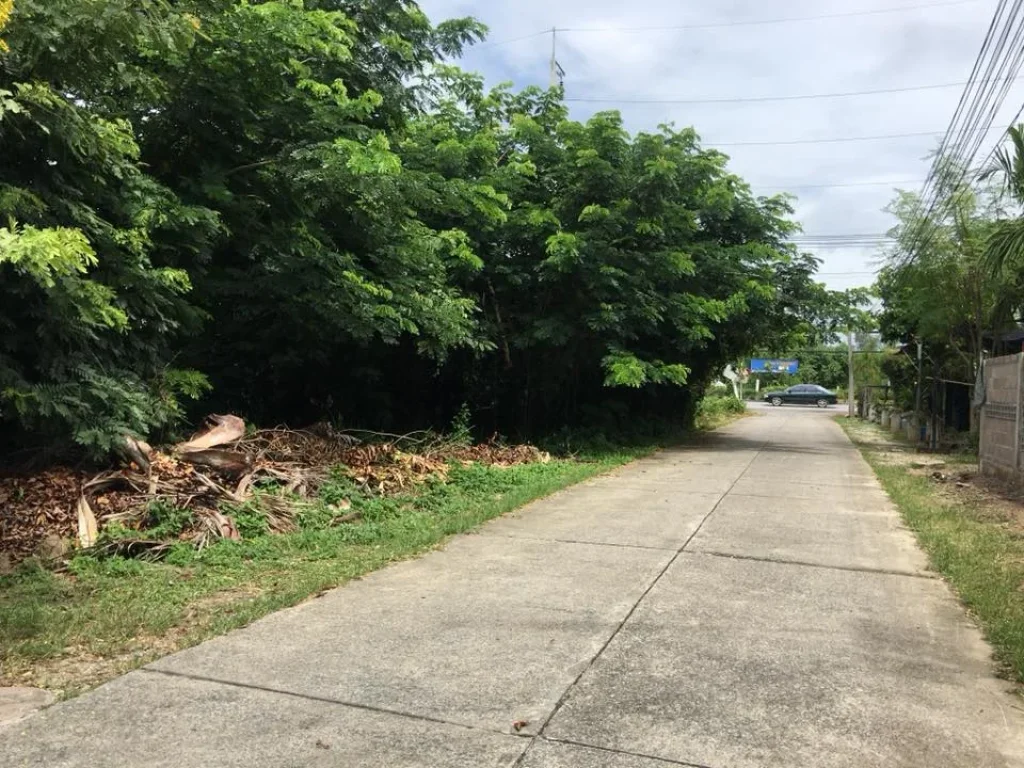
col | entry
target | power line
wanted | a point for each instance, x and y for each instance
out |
(860, 241)
(995, 148)
(757, 22)
(490, 44)
(823, 244)
(838, 274)
(823, 236)
(723, 24)
(836, 140)
(829, 185)
(841, 239)
(750, 99)
(977, 105)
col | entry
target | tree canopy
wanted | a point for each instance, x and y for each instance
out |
(303, 210)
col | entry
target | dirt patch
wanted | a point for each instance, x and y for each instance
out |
(986, 499)
(883, 444)
(959, 481)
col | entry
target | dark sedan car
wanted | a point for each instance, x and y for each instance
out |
(802, 394)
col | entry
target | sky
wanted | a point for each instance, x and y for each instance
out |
(931, 42)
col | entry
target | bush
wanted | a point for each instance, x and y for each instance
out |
(712, 410)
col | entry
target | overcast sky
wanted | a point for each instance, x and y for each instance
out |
(922, 46)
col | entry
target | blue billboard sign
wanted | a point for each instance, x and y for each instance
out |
(774, 366)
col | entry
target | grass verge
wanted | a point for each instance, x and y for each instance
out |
(980, 554)
(70, 631)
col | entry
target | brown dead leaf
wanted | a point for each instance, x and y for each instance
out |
(242, 489)
(231, 462)
(88, 531)
(223, 429)
(138, 451)
(216, 525)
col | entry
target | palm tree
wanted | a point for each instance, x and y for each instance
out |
(1005, 247)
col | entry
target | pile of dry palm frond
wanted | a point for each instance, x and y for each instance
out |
(47, 513)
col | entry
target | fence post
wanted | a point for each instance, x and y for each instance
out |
(1020, 412)
(981, 418)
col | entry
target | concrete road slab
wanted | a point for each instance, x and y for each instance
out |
(848, 506)
(17, 703)
(785, 488)
(489, 631)
(823, 471)
(147, 720)
(754, 665)
(634, 517)
(680, 486)
(776, 529)
(654, 468)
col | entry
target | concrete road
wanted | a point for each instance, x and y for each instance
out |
(749, 601)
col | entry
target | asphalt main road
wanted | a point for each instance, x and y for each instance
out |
(749, 601)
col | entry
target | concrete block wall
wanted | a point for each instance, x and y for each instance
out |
(999, 438)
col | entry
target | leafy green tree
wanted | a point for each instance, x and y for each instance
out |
(625, 263)
(304, 109)
(91, 301)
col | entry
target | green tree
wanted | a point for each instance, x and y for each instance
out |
(91, 302)
(304, 110)
(625, 263)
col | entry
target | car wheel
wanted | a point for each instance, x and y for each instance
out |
(776, 401)
(823, 403)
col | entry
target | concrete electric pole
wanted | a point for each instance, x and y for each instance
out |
(918, 423)
(554, 63)
(850, 392)
(557, 74)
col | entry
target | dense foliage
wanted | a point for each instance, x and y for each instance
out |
(302, 211)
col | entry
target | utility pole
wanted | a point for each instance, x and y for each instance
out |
(917, 399)
(554, 63)
(557, 74)
(850, 393)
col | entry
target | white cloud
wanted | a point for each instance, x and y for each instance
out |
(893, 50)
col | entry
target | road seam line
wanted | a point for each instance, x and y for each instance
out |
(867, 483)
(780, 497)
(576, 541)
(326, 700)
(807, 564)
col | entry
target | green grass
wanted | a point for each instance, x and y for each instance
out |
(980, 554)
(106, 615)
